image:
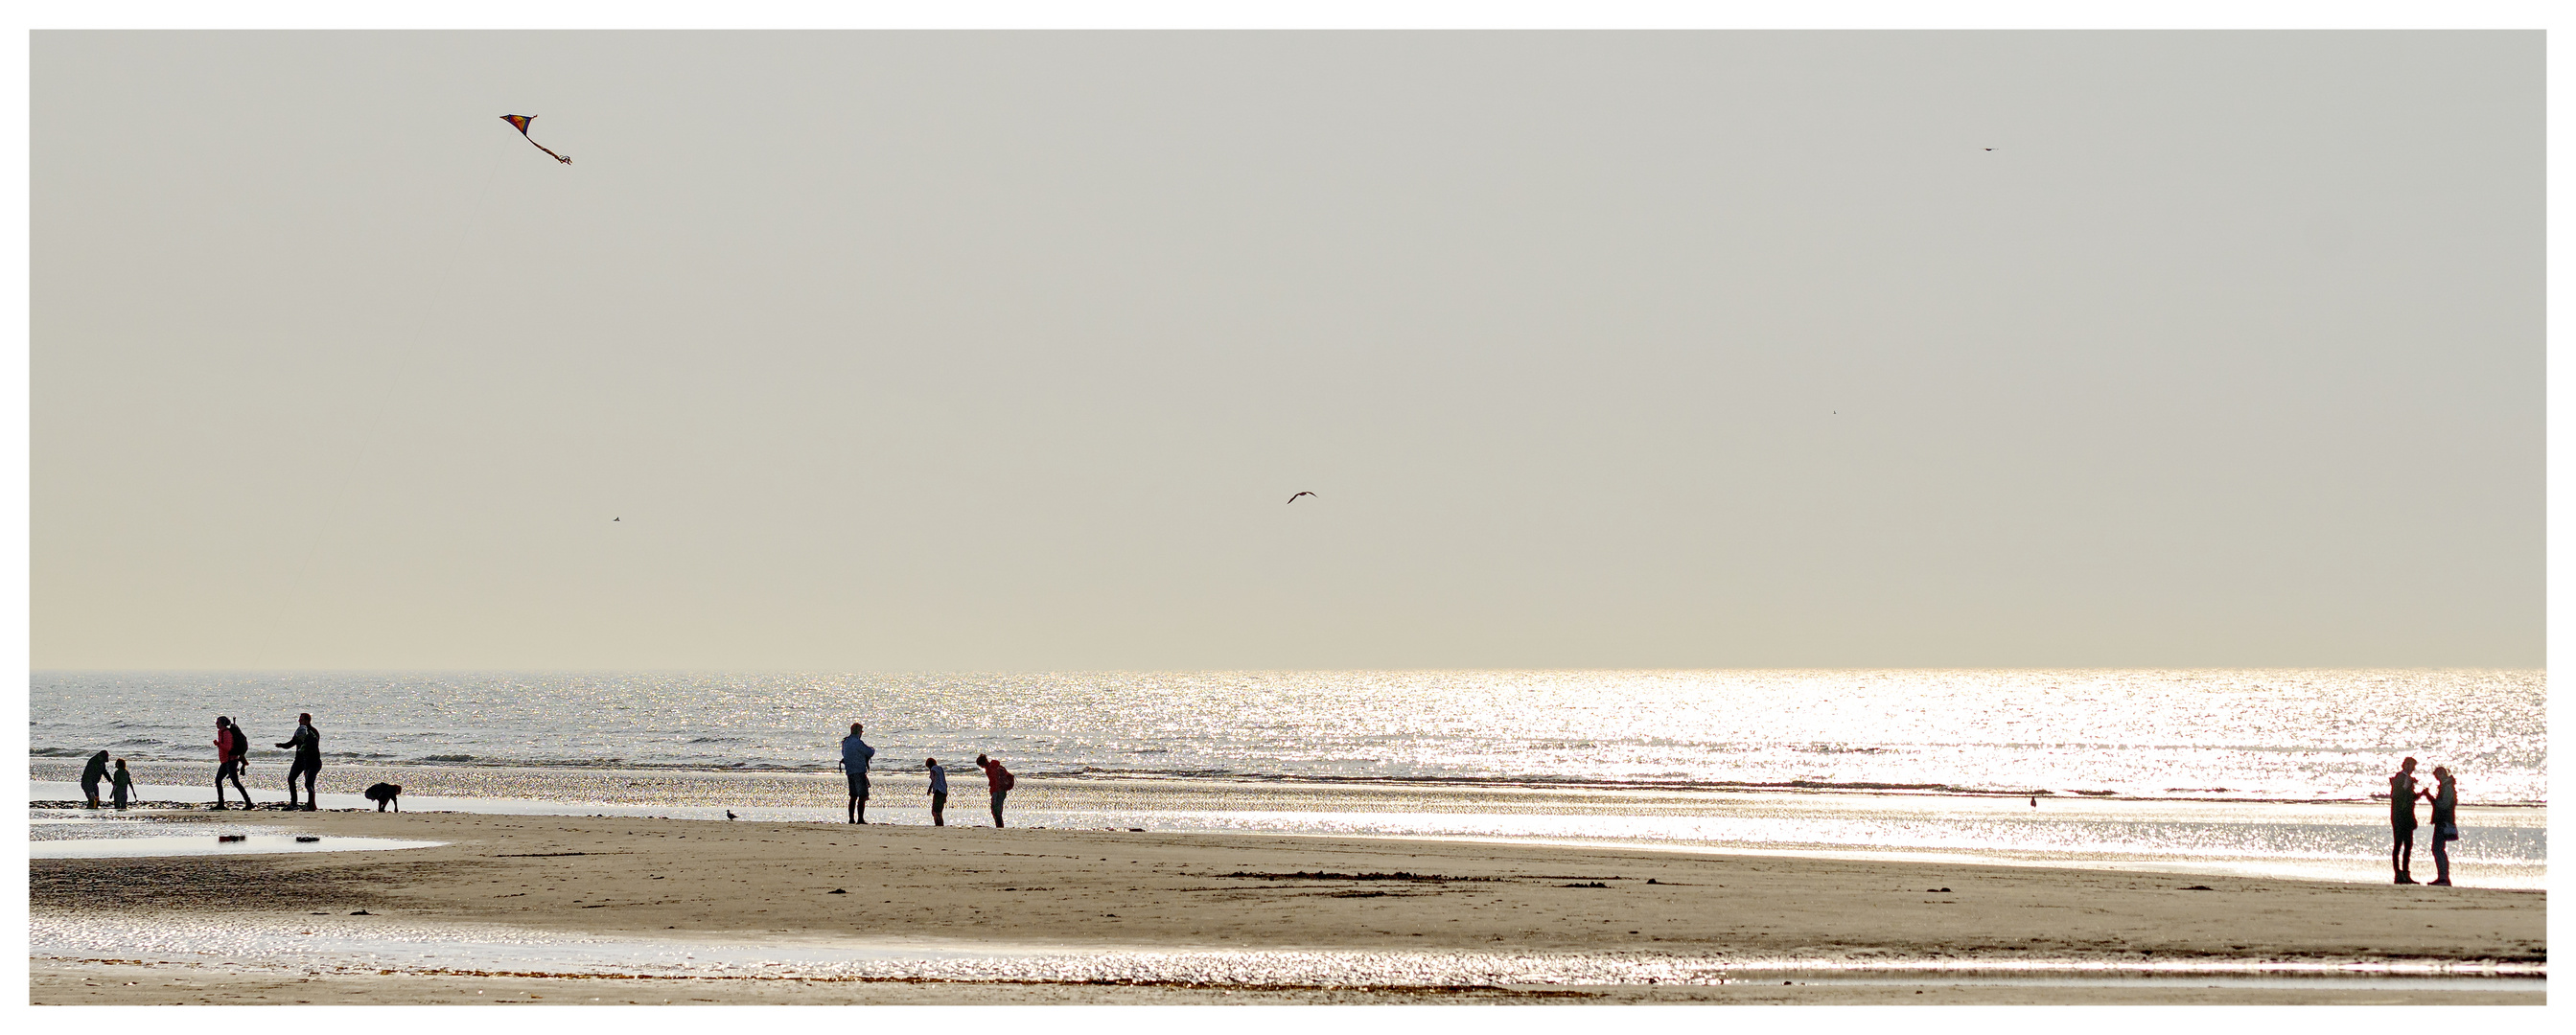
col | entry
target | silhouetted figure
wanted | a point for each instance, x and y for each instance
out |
(1293, 499)
(307, 743)
(855, 754)
(1000, 780)
(232, 755)
(2446, 821)
(124, 786)
(91, 774)
(729, 816)
(938, 791)
(2401, 818)
(384, 794)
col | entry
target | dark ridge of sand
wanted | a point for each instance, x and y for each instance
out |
(125, 984)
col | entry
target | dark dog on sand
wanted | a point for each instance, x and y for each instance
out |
(384, 794)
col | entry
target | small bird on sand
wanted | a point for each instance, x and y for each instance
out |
(1293, 499)
(729, 814)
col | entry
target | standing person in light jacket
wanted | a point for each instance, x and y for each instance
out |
(91, 774)
(938, 791)
(855, 754)
(1000, 780)
(2446, 821)
(307, 743)
(232, 755)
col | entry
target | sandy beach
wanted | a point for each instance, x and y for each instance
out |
(1744, 928)
(1415, 513)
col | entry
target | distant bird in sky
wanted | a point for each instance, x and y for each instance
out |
(1990, 149)
(1293, 499)
(617, 519)
(522, 121)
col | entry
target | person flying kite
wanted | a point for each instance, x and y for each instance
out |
(522, 121)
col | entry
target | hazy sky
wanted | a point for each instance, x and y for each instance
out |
(1003, 351)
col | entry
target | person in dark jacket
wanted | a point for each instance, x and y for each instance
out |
(91, 774)
(2401, 820)
(307, 743)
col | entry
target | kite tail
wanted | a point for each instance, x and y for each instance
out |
(550, 152)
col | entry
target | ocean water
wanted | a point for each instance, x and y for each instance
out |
(2255, 773)
(2246, 735)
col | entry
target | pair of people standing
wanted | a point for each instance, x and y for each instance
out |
(96, 771)
(2402, 793)
(232, 757)
(856, 754)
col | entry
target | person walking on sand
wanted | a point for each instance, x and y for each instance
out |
(307, 743)
(91, 774)
(855, 754)
(1000, 780)
(124, 785)
(2401, 818)
(2446, 821)
(232, 755)
(938, 791)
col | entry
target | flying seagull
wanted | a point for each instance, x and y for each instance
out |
(522, 121)
(1293, 499)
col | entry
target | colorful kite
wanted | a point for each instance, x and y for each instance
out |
(522, 121)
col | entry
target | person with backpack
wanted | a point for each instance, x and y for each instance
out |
(307, 743)
(1000, 780)
(232, 755)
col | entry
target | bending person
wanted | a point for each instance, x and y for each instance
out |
(1000, 780)
(938, 791)
(91, 774)
(307, 743)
